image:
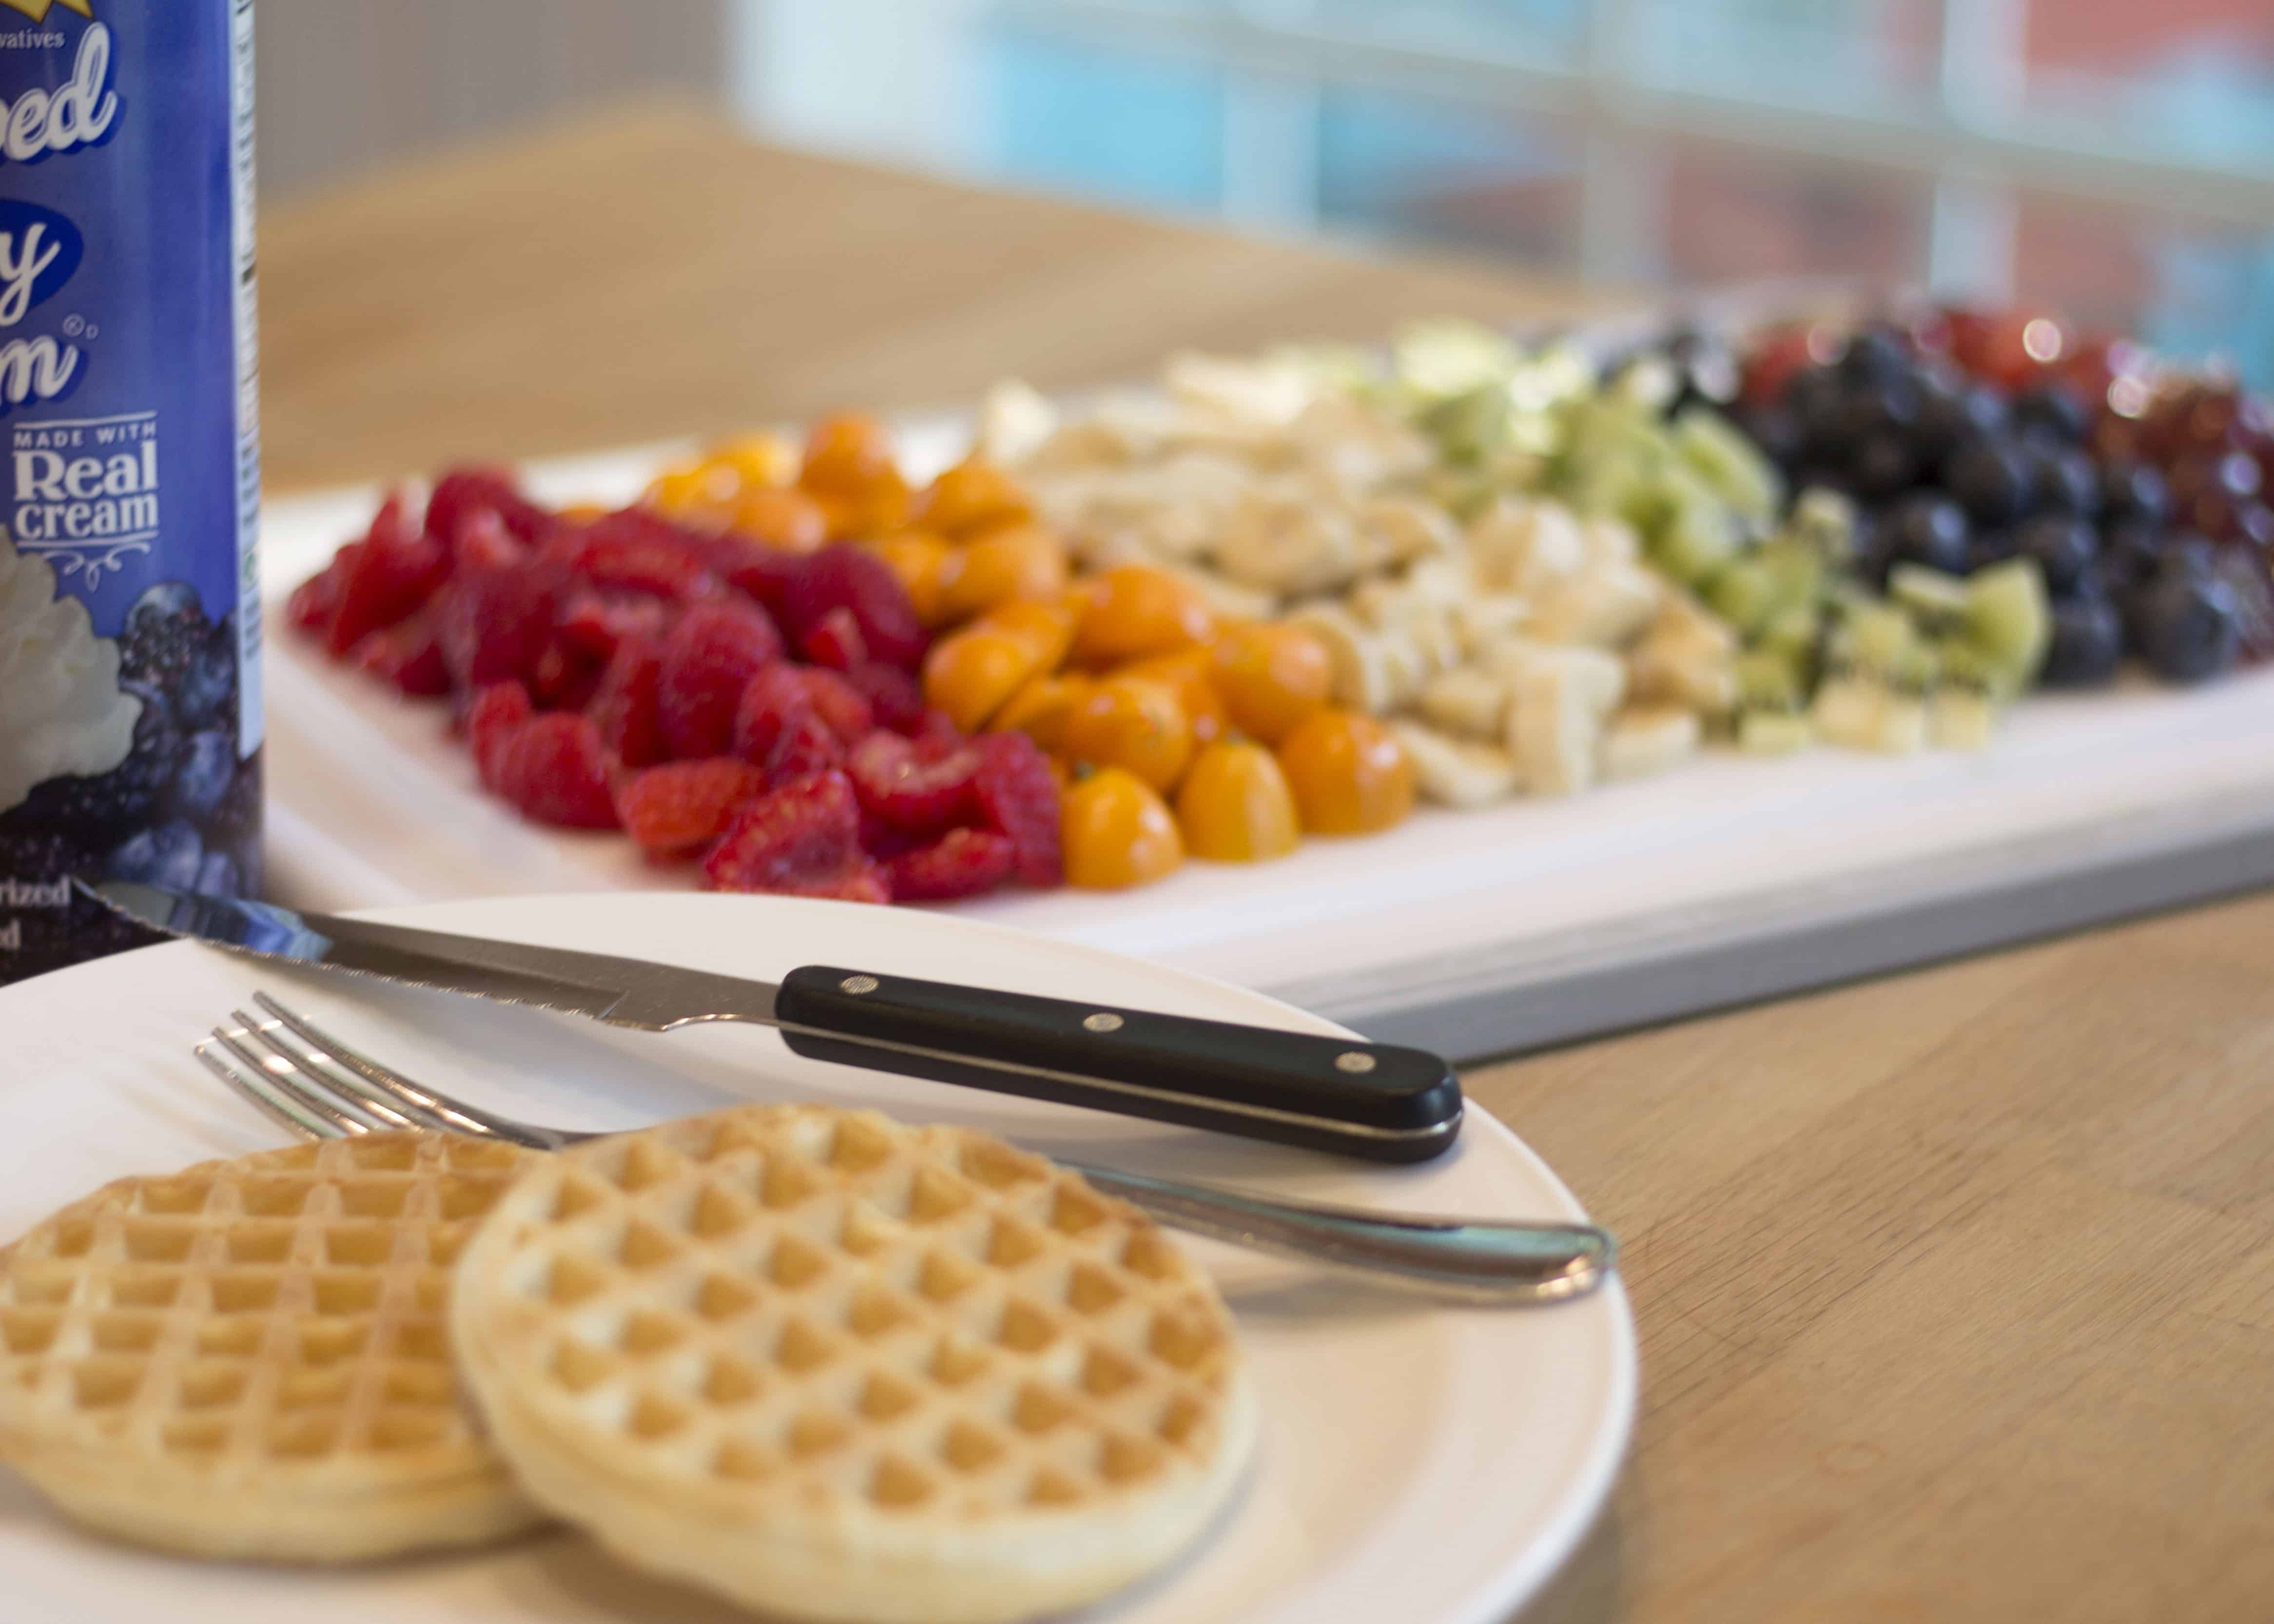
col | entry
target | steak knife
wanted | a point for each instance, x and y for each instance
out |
(1374, 1100)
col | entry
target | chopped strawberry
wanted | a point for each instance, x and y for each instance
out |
(316, 601)
(883, 840)
(1018, 798)
(627, 708)
(680, 806)
(710, 657)
(495, 625)
(936, 736)
(804, 747)
(843, 576)
(495, 714)
(835, 640)
(841, 705)
(765, 572)
(463, 492)
(566, 677)
(388, 578)
(483, 542)
(775, 697)
(597, 624)
(554, 769)
(894, 700)
(910, 793)
(406, 654)
(858, 881)
(962, 862)
(617, 555)
(800, 834)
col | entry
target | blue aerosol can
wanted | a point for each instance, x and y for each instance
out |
(129, 633)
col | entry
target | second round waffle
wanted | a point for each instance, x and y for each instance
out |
(837, 1367)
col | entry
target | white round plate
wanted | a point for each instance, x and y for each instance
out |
(1423, 1464)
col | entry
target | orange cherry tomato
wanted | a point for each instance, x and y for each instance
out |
(846, 453)
(691, 491)
(1048, 627)
(1042, 709)
(920, 559)
(783, 518)
(1025, 560)
(1185, 673)
(972, 496)
(758, 460)
(1117, 832)
(970, 674)
(1130, 723)
(1133, 612)
(1272, 678)
(1234, 805)
(1349, 773)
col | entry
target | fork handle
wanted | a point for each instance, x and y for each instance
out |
(1374, 1100)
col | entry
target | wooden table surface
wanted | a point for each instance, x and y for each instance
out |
(1956, 1289)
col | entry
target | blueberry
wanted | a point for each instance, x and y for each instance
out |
(1990, 478)
(2086, 643)
(1927, 528)
(1775, 431)
(2062, 479)
(209, 766)
(2188, 626)
(2130, 490)
(1953, 409)
(1881, 463)
(1869, 409)
(1874, 354)
(1813, 395)
(217, 876)
(2063, 546)
(170, 855)
(1988, 547)
(2131, 548)
(2054, 409)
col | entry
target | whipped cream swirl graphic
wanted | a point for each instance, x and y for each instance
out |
(62, 714)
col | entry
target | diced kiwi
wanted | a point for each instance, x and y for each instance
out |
(1450, 355)
(1939, 600)
(1963, 716)
(1877, 637)
(1773, 732)
(1742, 592)
(2007, 617)
(1793, 632)
(1767, 679)
(1729, 461)
(1795, 569)
(1469, 426)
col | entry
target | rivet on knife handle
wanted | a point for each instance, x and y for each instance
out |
(1376, 1101)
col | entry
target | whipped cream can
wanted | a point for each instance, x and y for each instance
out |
(129, 633)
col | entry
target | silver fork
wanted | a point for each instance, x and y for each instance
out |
(317, 1085)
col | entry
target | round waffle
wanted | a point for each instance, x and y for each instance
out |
(248, 1358)
(840, 1368)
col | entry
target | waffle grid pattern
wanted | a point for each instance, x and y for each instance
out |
(274, 1324)
(826, 1311)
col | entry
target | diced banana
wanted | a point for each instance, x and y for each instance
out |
(1597, 679)
(1962, 717)
(1611, 541)
(1355, 447)
(1285, 543)
(1014, 420)
(1404, 666)
(1261, 391)
(1466, 701)
(1554, 729)
(1410, 528)
(1679, 612)
(1642, 740)
(1444, 579)
(1483, 619)
(1686, 657)
(1865, 715)
(1604, 605)
(1392, 608)
(1522, 545)
(1180, 530)
(1456, 772)
(1773, 732)
(1362, 678)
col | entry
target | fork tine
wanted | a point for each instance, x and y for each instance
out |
(342, 1067)
(257, 1083)
(317, 1071)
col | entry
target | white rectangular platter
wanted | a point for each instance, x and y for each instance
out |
(1470, 932)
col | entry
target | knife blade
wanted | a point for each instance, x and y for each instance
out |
(1379, 1101)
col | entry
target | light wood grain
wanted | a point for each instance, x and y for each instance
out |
(1956, 1289)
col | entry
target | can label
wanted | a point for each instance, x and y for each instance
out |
(130, 697)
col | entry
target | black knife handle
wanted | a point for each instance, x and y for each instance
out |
(1367, 1099)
